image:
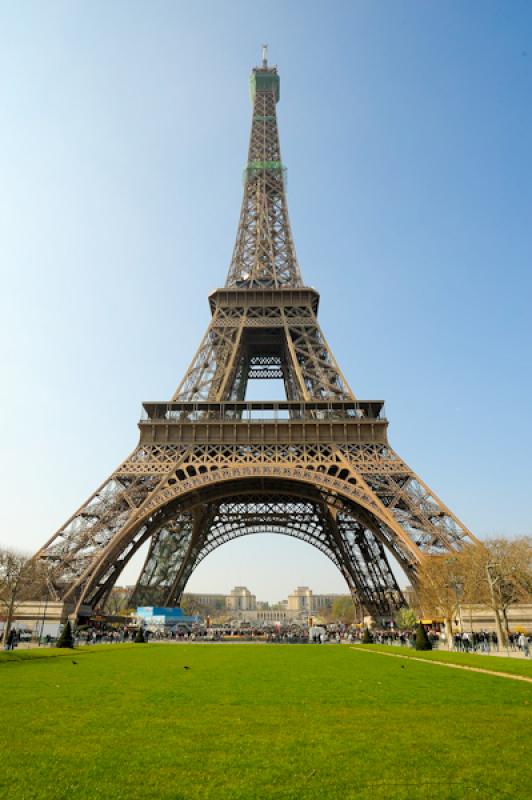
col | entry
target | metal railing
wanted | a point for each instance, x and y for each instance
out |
(264, 411)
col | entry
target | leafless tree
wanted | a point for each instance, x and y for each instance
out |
(21, 578)
(191, 606)
(343, 610)
(499, 575)
(118, 601)
(440, 589)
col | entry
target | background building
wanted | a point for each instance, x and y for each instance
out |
(241, 599)
(303, 600)
(242, 604)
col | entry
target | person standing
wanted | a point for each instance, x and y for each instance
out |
(522, 643)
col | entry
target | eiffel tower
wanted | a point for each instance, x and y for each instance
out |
(211, 466)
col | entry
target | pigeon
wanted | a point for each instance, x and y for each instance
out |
(185, 667)
(74, 662)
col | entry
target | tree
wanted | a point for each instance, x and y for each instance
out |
(192, 607)
(66, 639)
(499, 575)
(21, 578)
(496, 573)
(422, 640)
(440, 588)
(343, 610)
(405, 619)
(118, 601)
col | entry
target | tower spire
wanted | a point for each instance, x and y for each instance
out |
(264, 254)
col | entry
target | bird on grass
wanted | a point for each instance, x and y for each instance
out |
(185, 667)
(74, 662)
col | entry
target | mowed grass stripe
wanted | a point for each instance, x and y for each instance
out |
(423, 657)
(249, 721)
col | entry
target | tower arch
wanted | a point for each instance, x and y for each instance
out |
(182, 531)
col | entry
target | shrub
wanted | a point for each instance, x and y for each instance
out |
(66, 639)
(367, 638)
(422, 640)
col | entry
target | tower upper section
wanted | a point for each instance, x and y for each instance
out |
(264, 254)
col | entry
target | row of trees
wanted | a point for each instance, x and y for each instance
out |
(496, 574)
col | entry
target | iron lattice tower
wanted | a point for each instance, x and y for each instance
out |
(210, 467)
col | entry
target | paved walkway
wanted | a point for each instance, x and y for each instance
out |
(444, 664)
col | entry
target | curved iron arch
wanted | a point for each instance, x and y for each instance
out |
(104, 574)
(355, 551)
(278, 530)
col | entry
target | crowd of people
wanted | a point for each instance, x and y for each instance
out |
(465, 642)
(474, 642)
(198, 633)
(468, 642)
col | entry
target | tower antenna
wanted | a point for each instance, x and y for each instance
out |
(265, 56)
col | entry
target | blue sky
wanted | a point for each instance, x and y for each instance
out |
(406, 130)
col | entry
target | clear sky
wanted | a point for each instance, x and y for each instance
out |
(406, 128)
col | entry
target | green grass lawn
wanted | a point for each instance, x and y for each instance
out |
(257, 721)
